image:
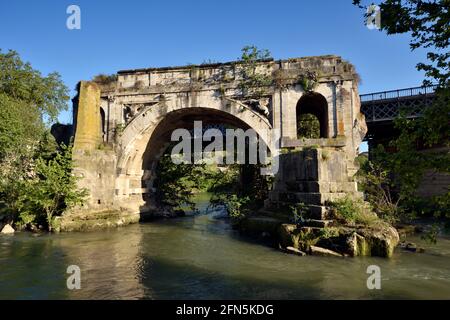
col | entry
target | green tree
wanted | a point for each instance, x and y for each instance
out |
(28, 101)
(43, 95)
(427, 24)
(35, 176)
(52, 189)
(175, 183)
(375, 181)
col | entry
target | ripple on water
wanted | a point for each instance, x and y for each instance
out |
(202, 257)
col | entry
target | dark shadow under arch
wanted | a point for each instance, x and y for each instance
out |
(180, 119)
(102, 124)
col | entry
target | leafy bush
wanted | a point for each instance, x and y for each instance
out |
(378, 188)
(308, 81)
(353, 211)
(52, 189)
(305, 239)
(298, 212)
(36, 182)
(175, 183)
(240, 189)
(235, 205)
(25, 219)
(105, 79)
(329, 232)
(308, 126)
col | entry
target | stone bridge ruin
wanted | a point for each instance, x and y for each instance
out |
(123, 123)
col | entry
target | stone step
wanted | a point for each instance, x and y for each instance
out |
(260, 224)
(296, 197)
(313, 198)
(323, 252)
(295, 251)
(303, 186)
(318, 223)
(315, 231)
(277, 206)
(282, 215)
(316, 212)
(323, 187)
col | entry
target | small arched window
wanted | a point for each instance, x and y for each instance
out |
(312, 116)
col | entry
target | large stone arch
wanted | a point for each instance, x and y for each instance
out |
(137, 135)
(115, 171)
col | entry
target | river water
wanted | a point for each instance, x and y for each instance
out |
(202, 257)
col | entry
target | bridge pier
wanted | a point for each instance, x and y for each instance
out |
(313, 177)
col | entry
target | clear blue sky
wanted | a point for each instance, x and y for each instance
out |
(129, 34)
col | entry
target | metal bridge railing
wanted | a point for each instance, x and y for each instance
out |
(386, 105)
(396, 94)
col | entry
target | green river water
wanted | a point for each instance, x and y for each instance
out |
(202, 257)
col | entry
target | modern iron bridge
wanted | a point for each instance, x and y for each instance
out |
(385, 106)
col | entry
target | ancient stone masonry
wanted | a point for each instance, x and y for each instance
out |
(123, 126)
(87, 115)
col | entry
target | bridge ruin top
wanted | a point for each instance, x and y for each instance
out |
(202, 76)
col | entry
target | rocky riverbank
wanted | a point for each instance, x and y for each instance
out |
(329, 237)
(323, 237)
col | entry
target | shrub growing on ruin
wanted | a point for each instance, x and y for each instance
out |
(353, 211)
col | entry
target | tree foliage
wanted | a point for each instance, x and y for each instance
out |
(19, 81)
(380, 190)
(176, 183)
(51, 190)
(308, 126)
(238, 188)
(36, 181)
(427, 23)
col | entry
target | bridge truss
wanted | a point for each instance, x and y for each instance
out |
(387, 105)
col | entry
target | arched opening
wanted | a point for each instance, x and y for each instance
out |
(312, 116)
(102, 124)
(157, 166)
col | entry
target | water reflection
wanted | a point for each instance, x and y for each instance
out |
(111, 264)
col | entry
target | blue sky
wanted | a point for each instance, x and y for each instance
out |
(130, 34)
